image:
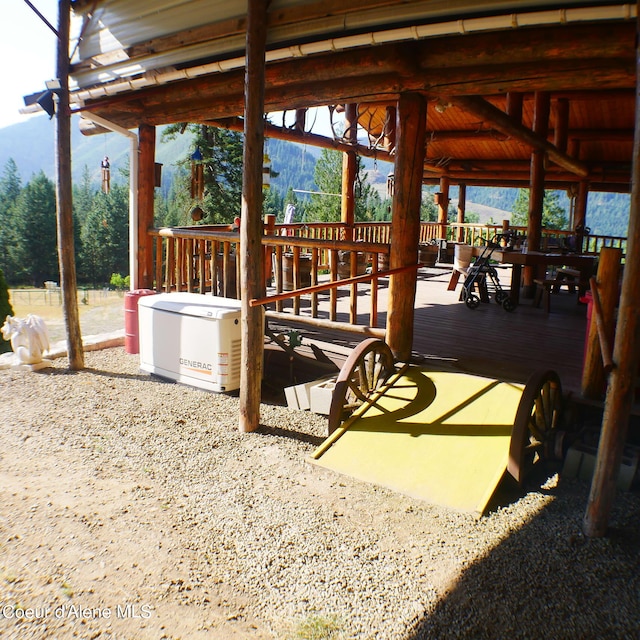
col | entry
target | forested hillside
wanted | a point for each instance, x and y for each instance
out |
(27, 194)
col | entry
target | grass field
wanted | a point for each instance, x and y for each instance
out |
(100, 311)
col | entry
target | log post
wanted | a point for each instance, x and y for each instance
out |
(462, 206)
(301, 116)
(580, 214)
(405, 221)
(514, 106)
(146, 187)
(621, 390)
(536, 187)
(389, 142)
(269, 230)
(561, 130)
(64, 202)
(443, 206)
(349, 170)
(593, 378)
(251, 255)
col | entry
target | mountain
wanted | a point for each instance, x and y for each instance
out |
(31, 145)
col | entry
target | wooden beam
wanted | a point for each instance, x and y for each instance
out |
(64, 196)
(251, 255)
(467, 65)
(308, 138)
(477, 135)
(503, 123)
(405, 220)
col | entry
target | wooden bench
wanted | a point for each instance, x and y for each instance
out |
(545, 287)
(572, 278)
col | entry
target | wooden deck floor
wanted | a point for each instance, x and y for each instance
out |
(487, 340)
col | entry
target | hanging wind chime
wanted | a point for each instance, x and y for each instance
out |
(197, 184)
(197, 175)
(105, 169)
(266, 170)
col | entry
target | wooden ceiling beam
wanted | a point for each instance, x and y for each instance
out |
(218, 95)
(503, 123)
(473, 64)
(611, 135)
(522, 183)
(312, 139)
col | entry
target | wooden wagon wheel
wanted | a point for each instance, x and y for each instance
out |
(534, 429)
(366, 369)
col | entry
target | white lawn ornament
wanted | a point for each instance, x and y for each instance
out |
(29, 339)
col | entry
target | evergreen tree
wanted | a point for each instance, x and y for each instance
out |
(328, 178)
(83, 197)
(222, 160)
(323, 207)
(105, 236)
(10, 188)
(553, 215)
(35, 251)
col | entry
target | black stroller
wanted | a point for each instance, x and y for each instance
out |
(483, 275)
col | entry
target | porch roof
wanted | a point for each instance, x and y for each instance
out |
(177, 61)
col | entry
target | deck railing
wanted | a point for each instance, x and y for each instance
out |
(205, 259)
(467, 233)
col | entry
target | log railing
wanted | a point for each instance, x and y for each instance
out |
(184, 261)
(298, 255)
(467, 233)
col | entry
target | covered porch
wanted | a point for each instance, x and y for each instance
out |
(472, 94)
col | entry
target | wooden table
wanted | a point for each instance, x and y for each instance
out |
(540, 261)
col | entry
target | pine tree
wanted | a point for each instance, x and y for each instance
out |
(105, 236)
(222, 159)
(10, 189)
(553, 215)
(35, 252)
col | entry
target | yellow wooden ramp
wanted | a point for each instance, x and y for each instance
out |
(435, 435)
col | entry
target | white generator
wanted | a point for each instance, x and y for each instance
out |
(191, 338)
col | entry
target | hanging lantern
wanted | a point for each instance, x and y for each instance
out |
(197, 175)
(105, 169)
(266, 171)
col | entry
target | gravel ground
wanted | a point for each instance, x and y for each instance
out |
(132, 508)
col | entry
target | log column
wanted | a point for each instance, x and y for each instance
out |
(443, 206)
(462, 206)
(621, 390)
(349, 170)
(64, 196)
(146, 186)
(405, 221)
(580, 214)
(251, 254)
(536, 187)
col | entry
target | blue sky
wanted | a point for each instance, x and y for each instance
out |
(28, 49)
